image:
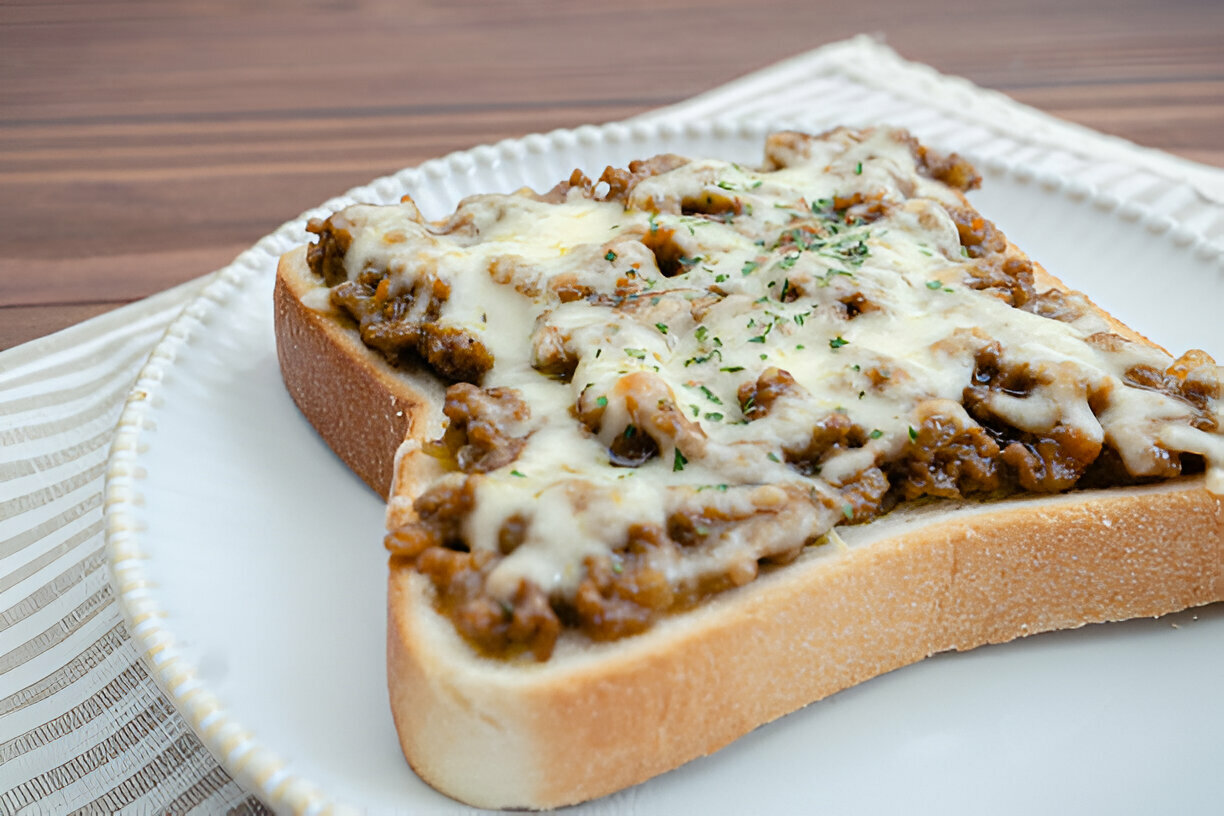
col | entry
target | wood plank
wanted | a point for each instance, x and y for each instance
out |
(255, 59)
(21, 324)
(109, 278)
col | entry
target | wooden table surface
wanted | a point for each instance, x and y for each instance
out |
(145, 143)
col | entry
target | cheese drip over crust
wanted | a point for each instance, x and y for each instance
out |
(694, 367)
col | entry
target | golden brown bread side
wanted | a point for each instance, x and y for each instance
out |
(924, 579)
(362, 407)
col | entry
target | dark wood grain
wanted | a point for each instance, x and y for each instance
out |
(146, 143)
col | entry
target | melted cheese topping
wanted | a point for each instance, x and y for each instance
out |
(761, 282)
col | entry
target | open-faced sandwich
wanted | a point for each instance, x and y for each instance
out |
(695, 444)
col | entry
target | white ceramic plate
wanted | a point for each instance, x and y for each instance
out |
(250, 568)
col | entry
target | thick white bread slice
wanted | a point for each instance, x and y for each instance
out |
(596, 718)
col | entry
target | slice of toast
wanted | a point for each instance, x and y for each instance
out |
(724, 441)
(597, 718)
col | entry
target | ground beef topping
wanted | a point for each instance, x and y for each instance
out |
(403, 326)
(487, 427)
(326, 256)
(951, 456)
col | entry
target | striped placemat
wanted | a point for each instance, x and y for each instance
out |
(83, 728)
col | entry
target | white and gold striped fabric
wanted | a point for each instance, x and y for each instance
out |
(83, 728)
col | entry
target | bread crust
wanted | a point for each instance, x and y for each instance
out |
(921, 580)
(361, 406)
